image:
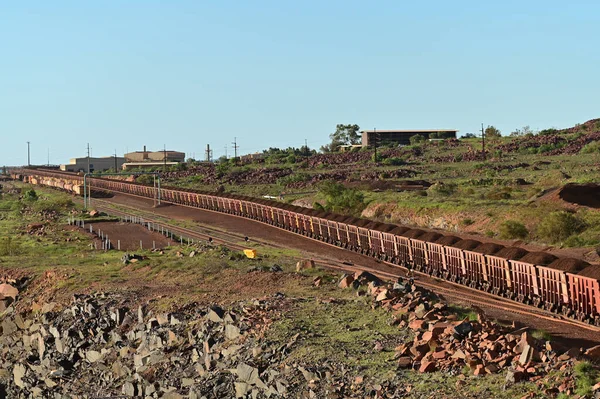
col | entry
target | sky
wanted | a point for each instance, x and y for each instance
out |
(183, 74)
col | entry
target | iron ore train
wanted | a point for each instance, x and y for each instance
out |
(561, 291)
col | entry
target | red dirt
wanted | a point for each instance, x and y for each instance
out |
(581, 194)
(569, 265)
(430, 236)
(413, 233)
(489, 248)
(399, 230)
(513, 253)
(539, 258)
(592, 271)
(130, 235)
(468, 245)
(448, 240)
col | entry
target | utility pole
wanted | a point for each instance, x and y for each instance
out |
(483, 141)
(28, 155)
(48, 164)
(235, 148)
(165, 157)
(208, 153)
(88, 156)
(116, 170)
(375, 142)
(225, 152)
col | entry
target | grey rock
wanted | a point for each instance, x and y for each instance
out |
(18, 373)
(231, 331)
(216, 314)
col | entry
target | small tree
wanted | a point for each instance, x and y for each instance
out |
(468, 136)
(558, 226)
(492, 133)
(511, 229)
(343, 135)
(417, 139)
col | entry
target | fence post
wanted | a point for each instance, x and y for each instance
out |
(153, 245)
(119, 244)
(91, 229)
(141, 246)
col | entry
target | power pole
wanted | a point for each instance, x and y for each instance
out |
(165, 157)
(208, 153)
(483, 141)
(88, 156)
(28, 155)
(225, 152)
(48, 164)
(116, 170)
(375, 142)
(235, 148)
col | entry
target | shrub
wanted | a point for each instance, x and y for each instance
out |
(489, 233)
(30, 195)
(511, 229)
(591, 148)
(467, 222)
(558, 226)
(341, 199)
(291, 158)
(586, 376)
(393, 161)
(416, 139)
(445, 189)
(499, 194)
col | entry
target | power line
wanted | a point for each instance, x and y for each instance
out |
(88, 156)
(235, 148)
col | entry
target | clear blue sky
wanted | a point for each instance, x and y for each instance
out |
(121, 74)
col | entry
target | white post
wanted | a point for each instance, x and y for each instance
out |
(141, 247)
(119, 244)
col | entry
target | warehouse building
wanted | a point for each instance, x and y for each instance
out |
(101, 164)
(155, 156)
(402, 137)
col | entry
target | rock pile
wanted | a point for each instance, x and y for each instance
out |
(97, 347)
(444, 343)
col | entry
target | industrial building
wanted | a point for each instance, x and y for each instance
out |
(96, 164)
(402, 137)
(155, 156)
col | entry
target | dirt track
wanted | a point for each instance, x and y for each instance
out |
(252, 229)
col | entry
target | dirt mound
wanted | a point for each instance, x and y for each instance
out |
(413, 233)
(399, 230)
(430, 237)
(513, 253)
(581, 194)
(489, 248)
(448, 240)
(591, 271)
(569, 265)
(467, 244)
(539, 258)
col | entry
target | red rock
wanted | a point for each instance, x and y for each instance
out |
(416, 324)
(479, 370)
(8, 290)
(531, 370)
(439, 355)
(419, 350)
(593, 352)
(459, 355)
(404, 362)
(491, 368)
(346, 281)
(427, 367)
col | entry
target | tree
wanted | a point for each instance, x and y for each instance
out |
(492, 132)
(417, 139)
(344, 135)
(468, 136)
(525, 131)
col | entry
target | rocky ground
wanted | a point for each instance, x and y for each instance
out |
(99, 345)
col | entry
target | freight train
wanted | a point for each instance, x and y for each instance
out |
(560, 291)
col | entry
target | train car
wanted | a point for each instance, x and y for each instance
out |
(525, 281)
(419, 254)
(584, 298)
(455, 268)
(499, 280)
(475, 269)
(389, 247)
(554, 290)
(376, 239)
(364, 244)
(436, 259)
(404, 250)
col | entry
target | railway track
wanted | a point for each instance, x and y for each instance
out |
(451, 291)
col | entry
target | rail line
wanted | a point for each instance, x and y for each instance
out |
(448, 289)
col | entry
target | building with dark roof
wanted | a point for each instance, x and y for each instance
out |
(402, 137)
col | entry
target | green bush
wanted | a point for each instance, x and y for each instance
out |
(591, 148)
(30, 195)
(9, 247)
(341, 199)
(293, 178)
(416, 139)
(444, 189)
(394, 161)
(467, 222)
(511, 229)
(558, 226)
(586, 375)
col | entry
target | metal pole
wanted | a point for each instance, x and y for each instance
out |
(483, 141)
(28, 154)
(119, 244)
(158, 188)
(141, 246)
